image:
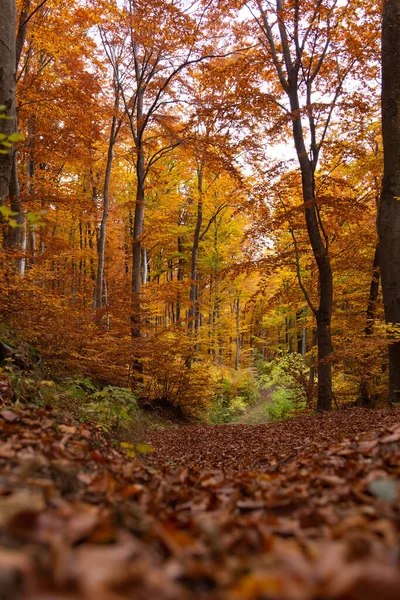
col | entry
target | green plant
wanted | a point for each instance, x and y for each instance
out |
(280, 406)
(111, 407)
(79, 388)
(289, 372)
(30, 389)
(247, 387)
(220, 411)
(233, 392)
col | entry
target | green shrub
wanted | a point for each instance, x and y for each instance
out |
(79, 388)
(108, 408)
(289, 372)
(219, 411)
(280, 407)
(286, 377)
(111, 407)
(30, 388)
(233, 392)
(248, 387)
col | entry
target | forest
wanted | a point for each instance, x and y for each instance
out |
(199, 299)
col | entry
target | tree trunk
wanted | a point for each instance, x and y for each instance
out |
(180, 276)
(193, 321)
(237, 349)
(7, 88)
(324, 312)
(15, 234)
(22, 29)
(373, 294)
(324, 401)
(144, 266)
(389, 208)
(364, 397)
(30, 185)
(137, 245)
(101, 246)
(311, 379)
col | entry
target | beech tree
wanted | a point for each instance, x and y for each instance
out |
(307, 49)
(389, 209)
(7, 89)
(146, 71)
(116, 122)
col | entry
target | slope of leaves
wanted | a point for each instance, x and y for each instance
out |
(80, 520)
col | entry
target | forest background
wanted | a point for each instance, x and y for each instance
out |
(194, 200)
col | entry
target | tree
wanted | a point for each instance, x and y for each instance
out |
(101, 242)
(149, 75)
(389, 209)
(308, 50)
(7, 89)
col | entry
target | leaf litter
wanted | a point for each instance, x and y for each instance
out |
(307, 509)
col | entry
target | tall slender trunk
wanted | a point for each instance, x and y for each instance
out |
(389, 208)
(21, 264)
(194, 314)
(373, 294)
(15, 234)
(304, 338)
(180, 276)
(101, 245)
(138, 221)
(30, 185)
(364, 395)
(323, 313)
(237, 344)
(287, 57)
(7, 88)
(22, 29)
(137, 245)
(311, 379)
(216, 311)
(144, 266)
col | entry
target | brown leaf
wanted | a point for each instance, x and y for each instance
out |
(9, 415)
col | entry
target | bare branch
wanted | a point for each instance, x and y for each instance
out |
(267, 31)
(213, 218)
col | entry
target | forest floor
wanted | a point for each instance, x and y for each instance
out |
(306, 509)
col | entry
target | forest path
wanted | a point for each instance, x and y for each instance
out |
(246, 446)
(256, 414)
(83, 520)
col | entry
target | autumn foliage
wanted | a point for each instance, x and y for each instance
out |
(158, 226)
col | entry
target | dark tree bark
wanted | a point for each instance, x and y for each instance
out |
(7, 88)
(373, 294)
(180, 276)
(193, 321)
(389, 209)
(323, 313)
(137, 245)
(237, 342)
(364, 396)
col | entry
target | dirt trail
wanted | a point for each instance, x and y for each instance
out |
(256, 414)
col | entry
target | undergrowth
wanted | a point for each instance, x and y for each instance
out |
(287, 378)
(233, 393)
